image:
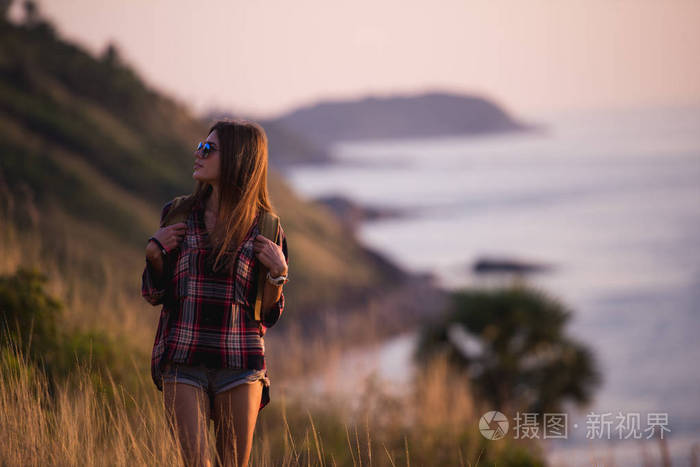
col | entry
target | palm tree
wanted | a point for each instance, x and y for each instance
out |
(512, 344)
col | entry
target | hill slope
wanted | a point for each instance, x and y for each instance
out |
(88, 157)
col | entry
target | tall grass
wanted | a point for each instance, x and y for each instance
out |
(79, 425)
(117, 417)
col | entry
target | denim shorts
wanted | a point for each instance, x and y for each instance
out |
(212, 380)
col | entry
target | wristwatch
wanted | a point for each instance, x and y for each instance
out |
(277, 280)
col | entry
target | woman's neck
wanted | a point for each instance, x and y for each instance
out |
(212, 201)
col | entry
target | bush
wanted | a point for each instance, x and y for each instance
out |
(31, 327)
(512, 343)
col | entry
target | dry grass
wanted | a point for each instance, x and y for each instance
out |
(434, 423)
(79, 426)
(99, 285)
(84, 424)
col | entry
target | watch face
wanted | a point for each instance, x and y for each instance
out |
(276, 281)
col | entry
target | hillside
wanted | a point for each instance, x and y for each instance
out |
(89, 155)
(432, 114)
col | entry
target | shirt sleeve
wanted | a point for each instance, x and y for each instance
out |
(270, 317)
(153, 287)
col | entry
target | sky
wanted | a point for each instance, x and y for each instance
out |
(264, 58)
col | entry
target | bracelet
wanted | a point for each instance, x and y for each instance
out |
(160, 245)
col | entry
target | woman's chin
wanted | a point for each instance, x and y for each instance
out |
(199, 178)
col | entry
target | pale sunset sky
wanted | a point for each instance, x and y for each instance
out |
(261, 58)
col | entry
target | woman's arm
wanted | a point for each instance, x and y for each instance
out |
(153, 284)
(273, 295)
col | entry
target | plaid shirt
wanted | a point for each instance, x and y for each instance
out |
(207, 316)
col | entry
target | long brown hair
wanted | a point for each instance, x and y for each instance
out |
(243, 151)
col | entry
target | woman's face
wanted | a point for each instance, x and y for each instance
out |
(207, 170)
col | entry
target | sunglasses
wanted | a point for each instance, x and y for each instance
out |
(206, 148)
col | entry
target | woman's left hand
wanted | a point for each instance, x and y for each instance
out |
(270, 254)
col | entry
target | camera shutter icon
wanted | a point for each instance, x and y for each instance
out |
(493, 425)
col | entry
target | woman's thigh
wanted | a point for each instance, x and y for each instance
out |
(235, 415)
(187, 411)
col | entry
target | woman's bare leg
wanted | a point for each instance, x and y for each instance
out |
(235, 415)
(187, 412)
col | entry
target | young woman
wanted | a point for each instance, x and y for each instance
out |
(208, 356)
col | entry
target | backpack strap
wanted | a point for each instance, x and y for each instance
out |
(268, 224)
(179, 211)
(269, 227)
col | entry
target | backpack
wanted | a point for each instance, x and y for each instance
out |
(268, 223)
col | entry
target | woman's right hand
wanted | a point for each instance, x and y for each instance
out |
(169, 236)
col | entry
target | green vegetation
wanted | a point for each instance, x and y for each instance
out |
(59, 106)
(518, 357)
(32, 326)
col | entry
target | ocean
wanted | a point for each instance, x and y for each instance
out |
(609, 198)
